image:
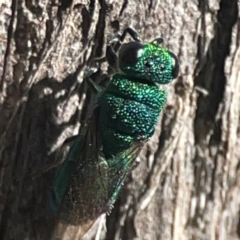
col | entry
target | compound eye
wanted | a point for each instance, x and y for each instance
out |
(129, 54)
(175, 65)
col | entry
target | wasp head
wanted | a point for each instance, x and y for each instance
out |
(150, 61)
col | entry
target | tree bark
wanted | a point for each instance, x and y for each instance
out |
(187, 185)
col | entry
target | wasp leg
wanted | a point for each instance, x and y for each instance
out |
(112, 48)
(70, 140)
(96, 88)
(131, 32)
(111, 55)
(111, 58)
(118, 39)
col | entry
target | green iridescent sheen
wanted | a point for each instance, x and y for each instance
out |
(154, 64)
(129, 111)
(124, 118)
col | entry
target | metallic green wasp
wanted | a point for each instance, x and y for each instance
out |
(123, 119)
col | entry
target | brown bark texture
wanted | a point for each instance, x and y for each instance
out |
(187, 185)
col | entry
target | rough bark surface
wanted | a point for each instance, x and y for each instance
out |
(187, 185)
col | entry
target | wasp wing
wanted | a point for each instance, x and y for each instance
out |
(119, 167)
(76, 188)
(87, 184)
